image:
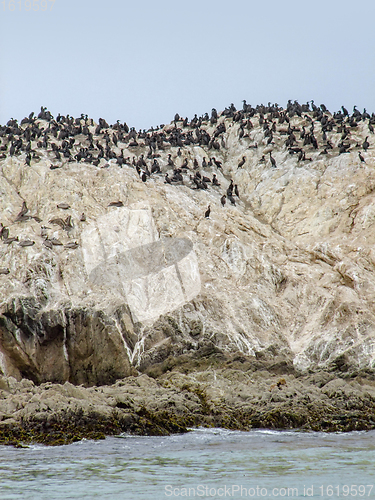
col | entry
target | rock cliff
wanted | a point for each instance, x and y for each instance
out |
(116, 268)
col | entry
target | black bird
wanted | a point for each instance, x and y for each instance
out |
(223, 200)
(236, 191)
(231, 199)
(230, 188)
(217, 162)
(361, 157)
(24, 211)
(215, 182)
(207, 212)
(366, 144)
(242, 162)
(167, 179)
(4, 234)
(116, 204)
(273, 162)
(170, 161)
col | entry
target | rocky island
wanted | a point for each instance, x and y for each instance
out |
(215, 271)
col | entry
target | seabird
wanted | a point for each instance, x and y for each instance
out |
(26, 243)
(217, 162)
(8, 241)
(55, 242)
(207, 212)
(242, 162)
(72, 244)
(231, 199)
(24, 211)
(48, 243)
(215, 182)
(4, 232)
(230, 188)
(361, 157)
(58, 221)
(273, 162)
(116, 204)
(170, 161)
(223, 200)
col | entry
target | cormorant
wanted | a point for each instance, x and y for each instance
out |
(215, 182)
(231, 199)
(242, 162)
(114, 204)
(273, 161)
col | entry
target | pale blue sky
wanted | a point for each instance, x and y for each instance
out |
(141, 62)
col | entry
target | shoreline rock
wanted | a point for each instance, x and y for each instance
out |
(229, 395)
(127, 306)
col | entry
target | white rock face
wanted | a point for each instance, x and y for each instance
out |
(122, 252)
(288, 271)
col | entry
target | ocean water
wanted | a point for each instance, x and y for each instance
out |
(205, 463)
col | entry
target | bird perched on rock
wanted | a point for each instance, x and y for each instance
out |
(116, 204)
(231, 199)
(55, 242)
(26, 243)
(68, 223)
(223, 200)
(215, 182)
(217, 162)
(72, 244)
(207, 212)
(23, 212)
(230, 188)
(242, 162)
(273, 161)
(361, 157)
(58, 221)
(8, 241)
(4, 232)
(48, 243)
